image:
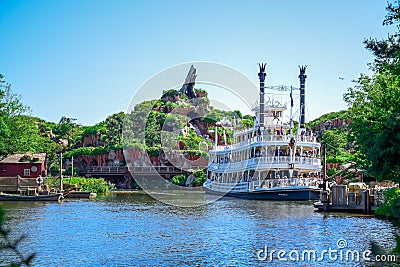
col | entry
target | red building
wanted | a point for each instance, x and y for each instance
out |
(27, 165)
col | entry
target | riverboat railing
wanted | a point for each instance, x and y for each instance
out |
(308, 161)
(263, 184)
(311, 139)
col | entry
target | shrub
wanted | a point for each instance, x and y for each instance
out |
(68, 171)
(390, 202)
(331, 172)
(179, 180)
(95, 185)
(201, 177)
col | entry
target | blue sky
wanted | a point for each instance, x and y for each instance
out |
(85, 59)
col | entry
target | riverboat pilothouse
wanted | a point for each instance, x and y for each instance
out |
(269, 161)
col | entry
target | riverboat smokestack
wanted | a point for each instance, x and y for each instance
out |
(302, 78)
(261, 76)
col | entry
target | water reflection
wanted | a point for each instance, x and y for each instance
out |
(137, 230)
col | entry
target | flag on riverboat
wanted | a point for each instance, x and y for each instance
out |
(291, 96)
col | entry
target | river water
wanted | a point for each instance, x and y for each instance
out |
(136, 230)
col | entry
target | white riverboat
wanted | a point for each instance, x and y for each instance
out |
(268, 161)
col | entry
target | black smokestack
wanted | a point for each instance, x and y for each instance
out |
(261, 76)
(302, 78)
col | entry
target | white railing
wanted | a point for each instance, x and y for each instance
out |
(268, 138)
(273, 183)
(229, 187)
(105, 169)
(264, 184)
(270, 161)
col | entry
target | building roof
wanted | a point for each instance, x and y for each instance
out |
(27, 157)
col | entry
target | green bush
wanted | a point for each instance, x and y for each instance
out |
(54, 170)
(390, 203)
(95, 185)
(154, 151)
(201, 177)
(68, 171)
(331, 172)
(179, 180)
(90, 151)
(170, 92)
(248, 123)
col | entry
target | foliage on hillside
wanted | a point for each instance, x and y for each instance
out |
(99, 128)
(339, 141)
(342, 114)
(164, 118)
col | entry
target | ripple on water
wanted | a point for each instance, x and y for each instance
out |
(136, 230)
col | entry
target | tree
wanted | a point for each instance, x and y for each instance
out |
(152, 131)
(336, 140)
(67, 129)
(10, 103)
(387, 52)
(114, 125)
(192, 141)
(22, 135)
(237, 113)
(374, 106)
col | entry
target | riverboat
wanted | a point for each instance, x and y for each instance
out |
(268, 161)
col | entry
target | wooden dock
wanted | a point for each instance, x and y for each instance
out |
(340, 199)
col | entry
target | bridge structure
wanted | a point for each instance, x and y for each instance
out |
(122, 175)
(141, 170)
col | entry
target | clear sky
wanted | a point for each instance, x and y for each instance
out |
(85, 59)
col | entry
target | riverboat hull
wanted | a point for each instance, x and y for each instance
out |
(278, 194)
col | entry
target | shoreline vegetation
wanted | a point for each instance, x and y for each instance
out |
(94, 185)
(390, 208)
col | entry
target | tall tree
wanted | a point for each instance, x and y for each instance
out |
(374, 105)
(114, 125)
(387, 51)
(10, 103)
(67, 129)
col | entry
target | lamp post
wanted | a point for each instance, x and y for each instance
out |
(72, 167)
(324, 194)
(61, 175)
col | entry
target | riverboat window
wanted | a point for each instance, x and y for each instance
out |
(27, 172)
